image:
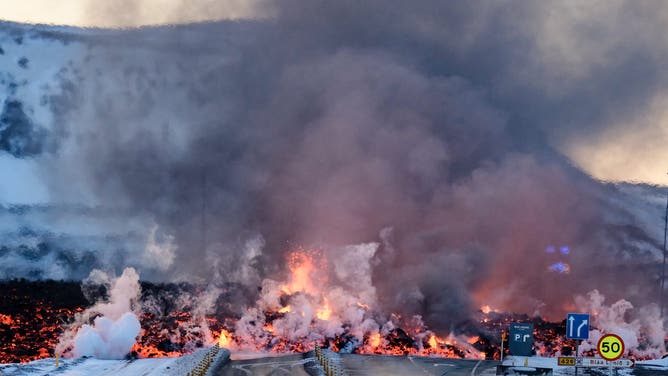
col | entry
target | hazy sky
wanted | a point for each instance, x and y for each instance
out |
(123, 13)
(630, 149)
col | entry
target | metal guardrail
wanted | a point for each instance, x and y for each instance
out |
(203, 366)
(330, 361)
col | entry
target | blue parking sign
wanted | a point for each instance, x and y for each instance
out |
(521, 339)
(577, 326)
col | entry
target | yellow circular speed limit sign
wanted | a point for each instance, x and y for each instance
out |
(611, 347)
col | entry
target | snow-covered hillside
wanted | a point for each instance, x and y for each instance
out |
(51, 225)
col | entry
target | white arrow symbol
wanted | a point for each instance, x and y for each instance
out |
(571, 319)
(584, 322)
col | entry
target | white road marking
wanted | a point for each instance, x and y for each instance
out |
(421, 368)
(275, 365)
(476, 367)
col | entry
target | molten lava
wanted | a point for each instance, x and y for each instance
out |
(225, 339)
(314, 306)
(324, 312)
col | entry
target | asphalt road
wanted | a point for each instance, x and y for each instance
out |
(393, 365)
(296, 364)
(354, 365)
(381, 365)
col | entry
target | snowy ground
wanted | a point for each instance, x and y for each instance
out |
(656, 366)
(93, 367)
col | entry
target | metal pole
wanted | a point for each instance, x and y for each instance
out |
(577, 350)
(503, 337)
(663, 268)
(203, 210)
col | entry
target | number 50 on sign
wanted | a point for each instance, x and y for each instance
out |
(610, 347)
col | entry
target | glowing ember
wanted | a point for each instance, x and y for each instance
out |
(337, 311)
(325, 312)
(374, 340)
(302, 273)
(432, 341)
(363, 306)
(225, 339)
(6, 319)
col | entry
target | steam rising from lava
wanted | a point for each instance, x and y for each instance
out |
(329, 125)
(115, 325)
(641, 329)
(326, 299)
(325, 296)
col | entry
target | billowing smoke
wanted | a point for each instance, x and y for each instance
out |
(115, 325)
(332, 291)
(641, 328)
(436, 130)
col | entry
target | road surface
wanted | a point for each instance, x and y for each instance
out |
(358, 365)
(383, 365)
(362, 365)
(296, 364)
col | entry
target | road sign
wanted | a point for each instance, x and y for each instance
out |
(577, 326)
(566, 361)
(521, 338)
(610, 347)
(598, 362)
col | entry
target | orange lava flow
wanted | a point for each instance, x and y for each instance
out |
(6, 320)
(304, 309)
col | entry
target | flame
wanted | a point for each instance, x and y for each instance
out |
(6, 319)
(324, 313)
(487, 309)
(374, 340)
(225, 339)
(151, 351)
(285, 309)
(302, 267)
(363, 306)
(433, 343)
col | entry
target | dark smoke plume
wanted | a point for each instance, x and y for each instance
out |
(434, 128)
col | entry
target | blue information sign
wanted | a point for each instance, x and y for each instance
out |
(577, 326)
(521, 338)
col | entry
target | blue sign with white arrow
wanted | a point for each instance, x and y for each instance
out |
(577, 326)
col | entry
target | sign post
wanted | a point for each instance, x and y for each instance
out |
(503, 338)
(577, 328)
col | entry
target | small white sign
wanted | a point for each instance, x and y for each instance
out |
(599, 362)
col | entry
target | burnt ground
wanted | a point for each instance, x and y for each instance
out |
(32, 314)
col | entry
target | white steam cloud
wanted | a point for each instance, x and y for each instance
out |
(115, 327)
(641, 329)
(159, 254)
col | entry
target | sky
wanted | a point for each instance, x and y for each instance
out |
(630, 148)
(125, 13)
